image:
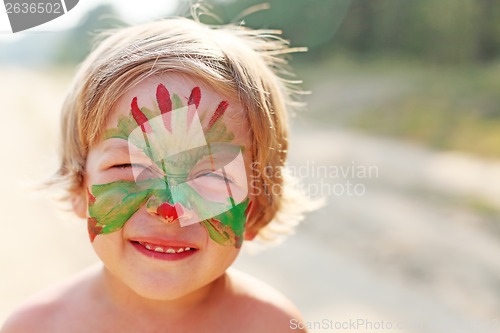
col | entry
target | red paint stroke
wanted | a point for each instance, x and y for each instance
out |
(169, 212)
(195, 97)
(90, 197)
(247, 210)
(193, 103)
(93, 228)
(139, 117)
(218, 113)
(165, 105)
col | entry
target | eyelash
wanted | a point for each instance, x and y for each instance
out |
(125, 165)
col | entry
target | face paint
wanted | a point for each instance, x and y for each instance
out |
(190, 176)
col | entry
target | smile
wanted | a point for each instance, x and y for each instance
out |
(163, 249)
(167, 251)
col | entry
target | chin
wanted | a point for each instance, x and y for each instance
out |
(161, 288)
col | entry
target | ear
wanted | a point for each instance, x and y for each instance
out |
(250, 235)
(79, 204)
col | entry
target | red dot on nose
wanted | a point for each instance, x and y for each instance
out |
(167, 211)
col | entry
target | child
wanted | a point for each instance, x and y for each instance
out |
(174, 139)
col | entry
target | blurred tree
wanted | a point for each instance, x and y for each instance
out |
(76, 44)
(311, 23)
(448, 30)
(445, 31)
(489, 30)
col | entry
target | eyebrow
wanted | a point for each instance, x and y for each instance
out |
(112, 148)
(122, 149)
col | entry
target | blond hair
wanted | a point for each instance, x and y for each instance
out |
(239, 61)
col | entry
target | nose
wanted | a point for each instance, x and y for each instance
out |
(170, 213)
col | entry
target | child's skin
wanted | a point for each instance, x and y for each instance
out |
(138, 290)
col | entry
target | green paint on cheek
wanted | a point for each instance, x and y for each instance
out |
(113, 204)
(228, 228)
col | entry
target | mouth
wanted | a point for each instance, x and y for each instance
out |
(167, 251)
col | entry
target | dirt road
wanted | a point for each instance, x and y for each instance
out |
(409, 250)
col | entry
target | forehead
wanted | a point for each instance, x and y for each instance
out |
(181, 86)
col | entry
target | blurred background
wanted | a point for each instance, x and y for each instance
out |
(401, 136)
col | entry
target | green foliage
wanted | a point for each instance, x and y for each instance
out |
(452, 32)
(76, 44)
(311, 23)
(446, 108)
(445, 31)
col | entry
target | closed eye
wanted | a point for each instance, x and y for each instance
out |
(122, 166)
(139, 171)
(128, 165)
(215, 175)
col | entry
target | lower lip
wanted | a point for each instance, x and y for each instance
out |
(161, 255)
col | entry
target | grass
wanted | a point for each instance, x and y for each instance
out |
(448, 108)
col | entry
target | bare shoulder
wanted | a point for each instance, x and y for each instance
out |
(49, 310)
(260, 306)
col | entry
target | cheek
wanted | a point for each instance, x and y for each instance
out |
(228, 228)
(225, 256)
(111, 205)
(107, 247)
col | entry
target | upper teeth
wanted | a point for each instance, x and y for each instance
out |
(163, 249)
